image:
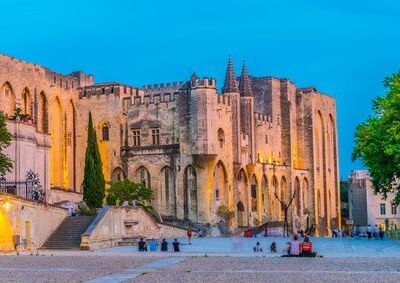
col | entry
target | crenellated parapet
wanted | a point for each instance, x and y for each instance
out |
(205, 82)
(107, 89)
(169, 87)
(67, 82)
(263, 120)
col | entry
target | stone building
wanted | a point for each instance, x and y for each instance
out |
(366, 207)
(195, 147)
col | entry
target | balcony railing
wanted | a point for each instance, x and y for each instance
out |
(29, 188)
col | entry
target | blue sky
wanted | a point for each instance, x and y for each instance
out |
(344, 48)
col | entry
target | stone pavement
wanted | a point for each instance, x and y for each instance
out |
(212, 260)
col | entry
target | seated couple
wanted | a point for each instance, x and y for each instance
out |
(295, 248)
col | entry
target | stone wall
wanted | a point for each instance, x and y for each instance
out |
(114, 224)
(32, 221)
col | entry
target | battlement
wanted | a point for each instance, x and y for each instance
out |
(107, 89)
(67, 82)
(168, 87)
(262, 119)
(147, 99)
(203, 83)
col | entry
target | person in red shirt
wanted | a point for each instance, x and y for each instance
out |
(307, 248)
(189, 234)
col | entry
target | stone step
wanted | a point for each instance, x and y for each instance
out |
(68, 234)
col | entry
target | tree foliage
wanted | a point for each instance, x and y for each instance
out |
(377, 140)
(126, 190)
(5, 140)
(93, 180)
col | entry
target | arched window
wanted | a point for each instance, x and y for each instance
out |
(221, 137)
(253, 193)
(7, 100)
(27, 102)
(117, 175)
(143, 176)
(43, 114)
(105, 132)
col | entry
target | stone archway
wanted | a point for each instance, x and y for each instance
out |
(241, 214)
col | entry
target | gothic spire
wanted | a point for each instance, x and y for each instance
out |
(230, 80)
(245, 83)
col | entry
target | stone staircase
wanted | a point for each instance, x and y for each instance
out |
(68, 235)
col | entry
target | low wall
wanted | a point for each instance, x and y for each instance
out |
(113, 224)
(57, 196)
(34, 222)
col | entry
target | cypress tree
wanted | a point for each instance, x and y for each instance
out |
(93, 180)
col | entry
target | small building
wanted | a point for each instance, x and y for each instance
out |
(366, 207)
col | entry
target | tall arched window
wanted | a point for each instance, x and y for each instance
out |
(7, 100)
(253, 193)
(43, 114)
(26, 102)
(105, 132)
(143, 176)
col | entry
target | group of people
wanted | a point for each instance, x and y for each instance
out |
(292, 248)
(297, 248)
(375, 231)
(152, 245)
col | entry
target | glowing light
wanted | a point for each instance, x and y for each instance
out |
(7, 205)
(6, 240)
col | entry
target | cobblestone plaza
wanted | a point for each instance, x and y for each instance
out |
(212, 260)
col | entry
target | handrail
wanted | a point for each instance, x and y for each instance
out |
(96, 220)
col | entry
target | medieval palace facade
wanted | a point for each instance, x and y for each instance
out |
(260, 139)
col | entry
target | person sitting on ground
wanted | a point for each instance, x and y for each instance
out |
(142, 245)
(153, 245)
(164, 246)
(295, 246)
(257, 248)
(307, 248)
(175, 244)
(273, 247)
(286, 249)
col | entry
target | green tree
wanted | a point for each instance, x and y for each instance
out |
(377, 140)
(126, 190)
(93, 180)
(5, 140)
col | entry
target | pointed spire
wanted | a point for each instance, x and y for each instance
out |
(230, 84)
(245, 83)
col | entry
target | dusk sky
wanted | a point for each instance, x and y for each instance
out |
(343, 48)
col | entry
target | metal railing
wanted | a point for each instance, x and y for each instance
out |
(29, 188)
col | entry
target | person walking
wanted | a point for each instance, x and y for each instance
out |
(358, 231)
(189, 234)
(175, 244)
(376, 232)
(369, 231)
